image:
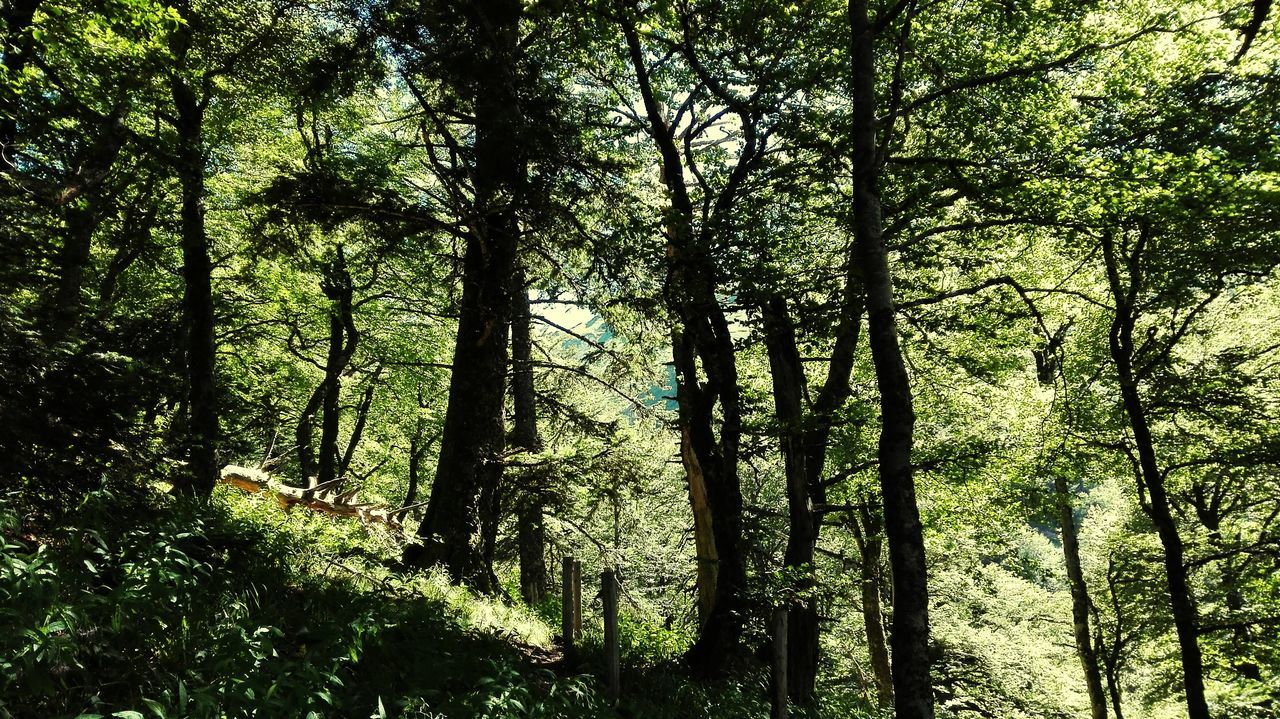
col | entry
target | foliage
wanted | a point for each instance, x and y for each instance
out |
(1053, 175)
(222, 610)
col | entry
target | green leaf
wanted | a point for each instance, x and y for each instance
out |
(156, 707)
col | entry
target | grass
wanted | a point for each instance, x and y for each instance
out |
(158, 608)
(145, 606)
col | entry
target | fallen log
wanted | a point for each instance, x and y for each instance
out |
(327, 498)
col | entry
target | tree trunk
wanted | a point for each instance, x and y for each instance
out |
(81, 221)
(343, 339)
(532, 539)
(790, 394)
(197, 274)
(804, 442)
(467, 473)
(490, 517)
(1080, 602)
(530, 528)
(913, 687)
(868, 531)
(704, 540)
(362, 420)
(702, 341)
(1112, 654)
(419, 443)
(307, 465)
(837, 388)
(1113, 689)
(330, 406)
(324, 400)
(138, 223)
(715, 462)
(873, 622)
(1150, 480)
(81, 214)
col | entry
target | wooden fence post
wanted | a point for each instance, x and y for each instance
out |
(567, 605)
(609, 590)
(779, 664)
(577, 599)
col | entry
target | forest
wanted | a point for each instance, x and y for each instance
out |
(925, 353)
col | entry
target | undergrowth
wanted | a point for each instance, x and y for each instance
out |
(146, 606)
(232, 608)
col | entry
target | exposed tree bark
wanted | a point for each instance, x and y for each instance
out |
(913, 687)
(704, 540)
(325, 499)
(1150, 479)
(716, 461)
(468, 474)
(531, 533)
(197, 274)
(711, 466)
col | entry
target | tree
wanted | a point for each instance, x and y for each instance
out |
(343, 340)
(201, 61)
(913, 690)
(1156, 304)
(698, 223)
(468, 471)
(531, 526)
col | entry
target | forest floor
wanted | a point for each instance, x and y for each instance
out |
(146, 607)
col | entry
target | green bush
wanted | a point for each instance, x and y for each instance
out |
(150, 607)
(157, 610)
